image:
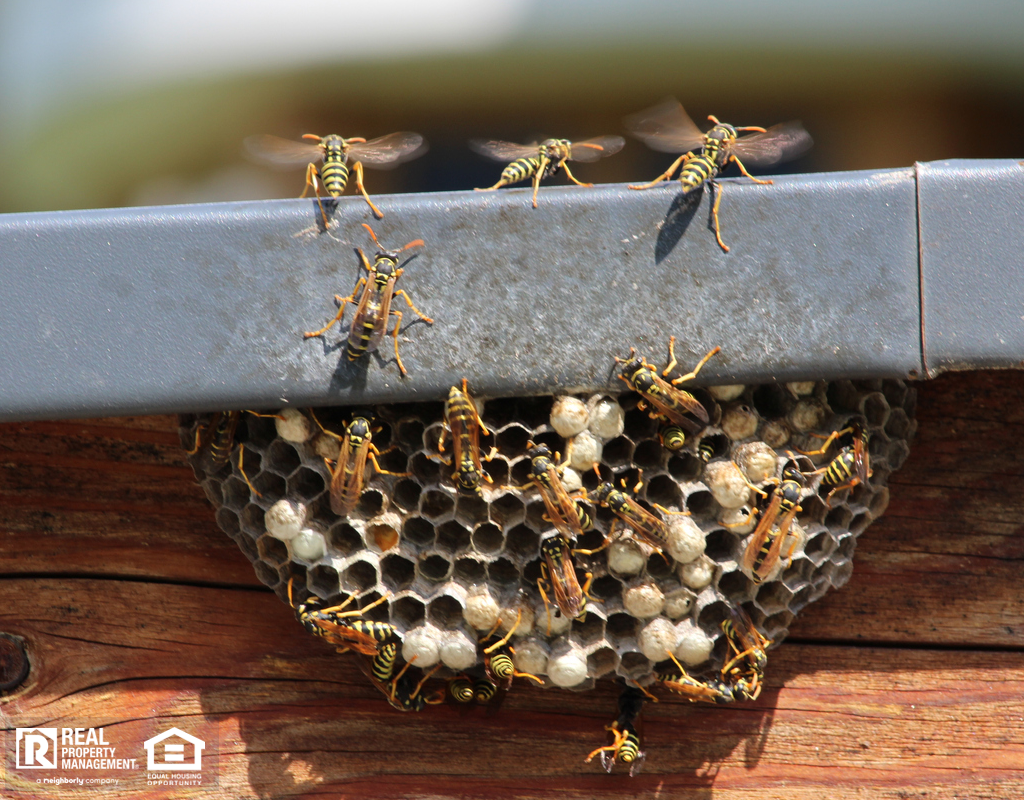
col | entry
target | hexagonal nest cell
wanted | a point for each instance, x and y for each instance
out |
(452, 567)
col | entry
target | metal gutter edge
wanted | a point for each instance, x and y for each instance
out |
(192, 308)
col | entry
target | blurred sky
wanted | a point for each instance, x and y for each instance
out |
(113, 102)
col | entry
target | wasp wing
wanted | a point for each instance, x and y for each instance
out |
(503, 151)
(779, 143)
(387, 152)
(598, 147)
(666, 127)
(280, 152)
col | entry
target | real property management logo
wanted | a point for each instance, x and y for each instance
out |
(87, 750)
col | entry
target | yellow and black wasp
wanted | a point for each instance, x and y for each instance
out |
(405, 695)
(559, 571)
(539, 161)
(661, 397)
(335, 155)
(667, 128)
(348, 475)
(215, 439)
(343, 628)
(709, 691)
(852, 466)
(464, 690)
(643, 523)
(498, 664)
(373, 311)
(764, 548)
(464, 426)
(564, 511)
(625, 749)
(746, 643)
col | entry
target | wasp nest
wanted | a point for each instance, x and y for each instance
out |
(454, 567)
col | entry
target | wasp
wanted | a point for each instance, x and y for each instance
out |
(667, 128)
(626, 745)
(498, 664)
(464, 426)
(746, 643)
(711, 691)
(215, 439)
(661, 397)
(566, 513)
(335, 153)
(349, 471)
(765, 546)
(539, 161)
(648, 527)
(343, 628)
(403, 694)
(853, 464)
(463, 690)
(374, 310)
(558, 570)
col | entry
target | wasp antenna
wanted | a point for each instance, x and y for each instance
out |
(373, 236)
(413, 243)
(291, 580)
(311, 136)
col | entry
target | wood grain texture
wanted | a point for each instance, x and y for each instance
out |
(138, 614)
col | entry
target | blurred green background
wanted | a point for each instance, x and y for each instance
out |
(114, 102)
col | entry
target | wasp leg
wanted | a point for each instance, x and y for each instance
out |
(394, 335)
(498, 185)
(379, 468)
(241, 453)
(666, 174)
(357, 168)
(604, 545)
(824, 448)
(620, 739)
(503, 641)
(195, 449)
(401, 293)
(717, 189)
(572, 177)
(336, 610)
(743, 169)
(589, 579)
(541, 169)
(342, 301)
(312, 182)
(689, 376)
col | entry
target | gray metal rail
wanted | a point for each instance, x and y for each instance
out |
(890, 273)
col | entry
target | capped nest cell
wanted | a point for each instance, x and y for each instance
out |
(453, 567)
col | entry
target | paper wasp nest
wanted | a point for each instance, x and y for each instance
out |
(451, 565)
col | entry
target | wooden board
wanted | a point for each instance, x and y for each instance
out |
(138, 614)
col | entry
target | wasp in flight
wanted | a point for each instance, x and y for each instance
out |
(539, 161)
(348, 476)
(667, 128)
(559, 571)
(853, 464)
(374, 309)
(335, 155)
(625, 748)
(343, 628)
(765, 546)
(661, 397)
(564, 511)
(464, 426)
